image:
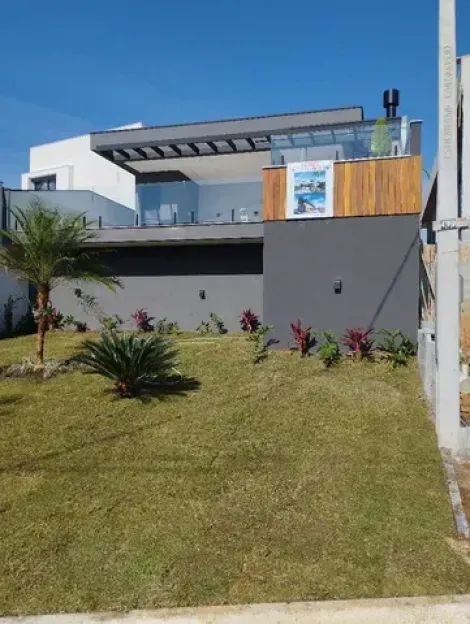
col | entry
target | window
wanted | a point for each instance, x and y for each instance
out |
(45, 183)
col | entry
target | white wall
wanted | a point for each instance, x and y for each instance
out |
(78, 168)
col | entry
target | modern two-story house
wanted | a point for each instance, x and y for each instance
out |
(309, 215)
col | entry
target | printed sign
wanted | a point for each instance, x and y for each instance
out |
(309, 189)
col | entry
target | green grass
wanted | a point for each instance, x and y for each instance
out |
(272, 482)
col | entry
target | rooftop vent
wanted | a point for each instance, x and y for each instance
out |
(391, 102)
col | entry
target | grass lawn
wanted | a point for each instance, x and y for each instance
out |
(272, 482)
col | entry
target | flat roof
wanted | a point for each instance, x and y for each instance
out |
(251, 134)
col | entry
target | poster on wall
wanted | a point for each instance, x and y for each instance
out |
(309, 189)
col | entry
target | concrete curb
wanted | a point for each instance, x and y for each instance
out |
(430, 610)
(461, 522)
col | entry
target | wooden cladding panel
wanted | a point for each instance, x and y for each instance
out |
(274, 194)
(361, 188)
(377, 187)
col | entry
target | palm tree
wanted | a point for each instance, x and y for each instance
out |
(47, 248)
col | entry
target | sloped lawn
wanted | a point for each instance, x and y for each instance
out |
(272, 482)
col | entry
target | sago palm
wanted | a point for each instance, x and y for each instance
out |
(132, 362)
(47, 248)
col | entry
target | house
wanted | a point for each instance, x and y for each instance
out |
(196, 218)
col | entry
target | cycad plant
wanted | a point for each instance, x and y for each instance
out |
(132, 361)
(47, 248)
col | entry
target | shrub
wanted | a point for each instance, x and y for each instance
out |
(249, 321)
(329, 351)
(218, 323)
(302, 338)
(164, 326)
(204, 328)
(359, 342)
(397, 347)
(143, 320)
(111, 323)
(258, 344)
(55, 319)
(131, 362)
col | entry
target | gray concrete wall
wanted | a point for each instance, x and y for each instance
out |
(376, 259)
(167, 279)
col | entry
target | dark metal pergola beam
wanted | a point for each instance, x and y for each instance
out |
(141, 152)
(194, 148)
(176, 149)
(213, 146)
(157, 150)
(124, 154)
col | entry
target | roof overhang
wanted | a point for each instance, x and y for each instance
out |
(161, 143)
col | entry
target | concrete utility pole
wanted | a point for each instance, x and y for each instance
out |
(447, 240)
(465, 83)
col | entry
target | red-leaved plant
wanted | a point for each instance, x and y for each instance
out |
(143, 320)
(359, 342)
(302, 338)
(249, 321)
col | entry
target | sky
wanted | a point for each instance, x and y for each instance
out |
(69, 68)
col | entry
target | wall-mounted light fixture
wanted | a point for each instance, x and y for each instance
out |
(202, 294)
(337, 285)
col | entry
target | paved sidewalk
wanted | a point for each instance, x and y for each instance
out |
(432, 610)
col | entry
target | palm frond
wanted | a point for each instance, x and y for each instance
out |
(49, 246)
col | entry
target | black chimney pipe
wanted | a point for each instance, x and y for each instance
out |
(391, 102)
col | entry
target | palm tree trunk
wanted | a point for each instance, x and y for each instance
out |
(41, 300)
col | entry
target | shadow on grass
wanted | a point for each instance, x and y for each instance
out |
(7, 402)
(163, 391)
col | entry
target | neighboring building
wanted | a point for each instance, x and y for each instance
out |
(212, 228)
(70, 165)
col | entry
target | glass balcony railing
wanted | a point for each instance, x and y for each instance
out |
(365, 139)
(220, 201)
(99, 210)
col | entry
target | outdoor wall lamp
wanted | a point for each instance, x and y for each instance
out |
(202, 294)
(337, 285)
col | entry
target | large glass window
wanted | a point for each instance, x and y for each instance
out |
(44, 183)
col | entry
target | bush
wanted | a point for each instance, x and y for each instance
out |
(397, 347)
(55, 319)
(302, 338)
(143, 320)
(132, 362)
(164, 326)
(218, 323)
(111, 323)
(249, 321)
(204, 328)
(258, 344)
(359, 342)
(329, 351)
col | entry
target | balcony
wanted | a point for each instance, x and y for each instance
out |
(203, 202)
(99, 210)
(359, 140)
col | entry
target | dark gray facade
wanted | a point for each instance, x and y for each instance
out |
(167, 280)
(376, 259)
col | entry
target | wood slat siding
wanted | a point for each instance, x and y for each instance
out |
(274, 194)
(361, 188)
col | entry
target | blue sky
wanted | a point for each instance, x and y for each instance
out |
(70, 68)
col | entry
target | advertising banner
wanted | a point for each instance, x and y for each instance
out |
(309, 189)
